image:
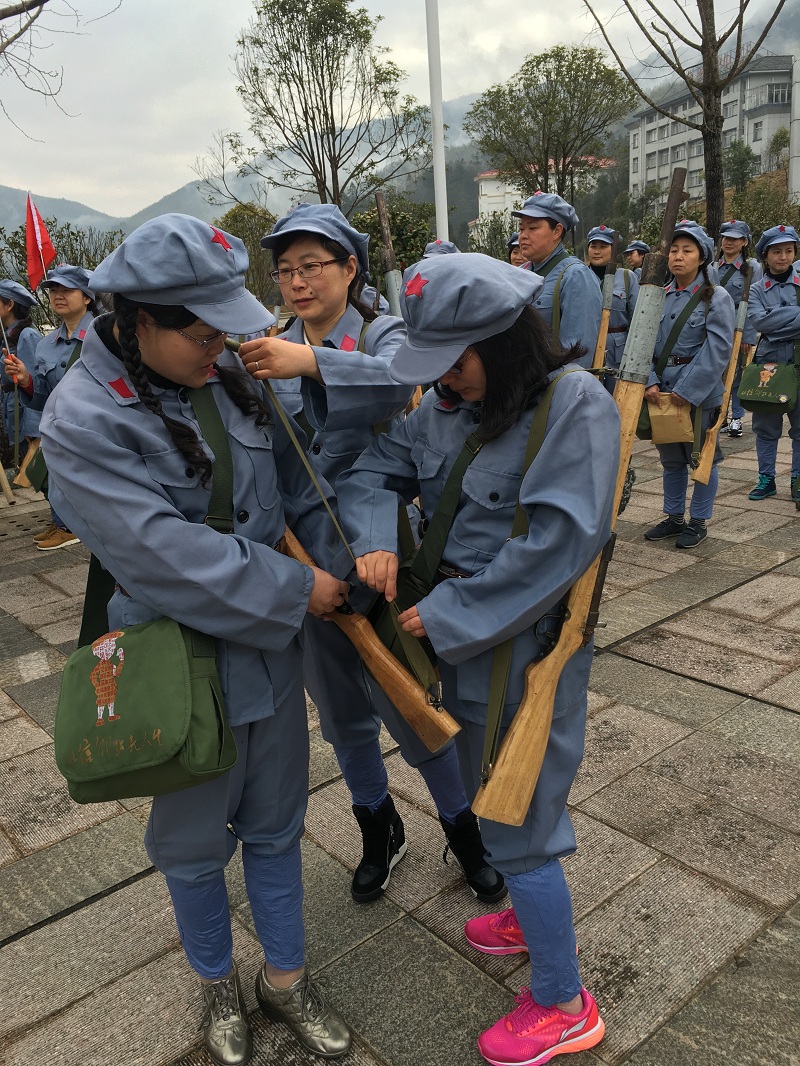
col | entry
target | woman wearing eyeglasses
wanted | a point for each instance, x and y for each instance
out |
(331, 370)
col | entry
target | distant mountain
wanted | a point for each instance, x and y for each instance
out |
(12, 210)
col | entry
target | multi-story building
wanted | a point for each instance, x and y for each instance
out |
(755, 104)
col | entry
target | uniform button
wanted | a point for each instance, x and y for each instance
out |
(242, 516)
(183, 395)
(672, 316)
(63, 362)
(494, 496)
(316, 449)
(190, 471)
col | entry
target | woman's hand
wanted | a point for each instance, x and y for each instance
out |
(412, 623)
(273, 357)
(653, 394)
(678, 401)
(327, 594)
(746, 350)
(378, 570)
(16, 369)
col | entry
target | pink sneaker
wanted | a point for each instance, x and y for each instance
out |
(532, 1035)
(496, 934)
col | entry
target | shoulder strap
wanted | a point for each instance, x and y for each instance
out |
(220, 506)
(726, 277)
(674, 333)
(501, 656)
(73, 358)
(556, 315)
(553, 263)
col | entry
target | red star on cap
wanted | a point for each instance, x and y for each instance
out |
(414, 286)
(220, 238)
(781, 229)
(437, 242)
(602, 227)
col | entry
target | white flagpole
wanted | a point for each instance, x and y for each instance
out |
(437, 118)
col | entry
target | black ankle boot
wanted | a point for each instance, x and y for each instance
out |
(464, 840)
(384, 846)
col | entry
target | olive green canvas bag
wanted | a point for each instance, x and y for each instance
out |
(140, 710)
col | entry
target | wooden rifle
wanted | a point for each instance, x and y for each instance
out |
(431, 722)
(506, 792)
(608, 296)
(703, 470)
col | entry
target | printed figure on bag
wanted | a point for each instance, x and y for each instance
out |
(765, 374)
(105, 674)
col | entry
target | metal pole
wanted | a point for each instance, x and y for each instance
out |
(437, 119)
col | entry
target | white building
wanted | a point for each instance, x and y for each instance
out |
(495, 195)
(754, 106)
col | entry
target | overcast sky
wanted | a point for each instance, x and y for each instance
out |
(148, 86)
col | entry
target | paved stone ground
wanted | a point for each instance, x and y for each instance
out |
(685, 883)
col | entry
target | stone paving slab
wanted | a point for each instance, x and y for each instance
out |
(147, 1017)
(744, 526)
(16, 641)
(70, 580)
(35, 808)
(407, 782)
(716, 627)
(38, 618)
(767, 596)
(40, 662)
(672, 695)
(48, 882)
(618, 739)
(8, 855)
(756, 991)
(20, 735)
(629, 613)
(785, 691)
(401, 1006)
(690, 586)
(24, 593)
(39, 699)
(760, 727)
(8, 707)
(665, 560)
(751, 782)
(735, 669)
(644, 952)
(768, 557)
(713, 838)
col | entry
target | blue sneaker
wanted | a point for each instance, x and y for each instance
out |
(764, 488)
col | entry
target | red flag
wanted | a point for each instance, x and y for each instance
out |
(38, 246)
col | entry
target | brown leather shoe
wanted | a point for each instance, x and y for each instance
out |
(59, 538)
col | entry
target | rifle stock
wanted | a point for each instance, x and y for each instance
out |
(433, 725)
(507, 794)
(608, 298)
(703, 471)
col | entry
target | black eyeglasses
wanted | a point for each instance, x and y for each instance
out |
(200, 344)
(307, 270)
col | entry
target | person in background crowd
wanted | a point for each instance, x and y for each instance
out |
(515, 256)
(774, 312)
(439, 247)
(626, 289)
(21, 338)
(730, 269)
(634, 256)
(697, 354)
(72, 300)
(570, 301)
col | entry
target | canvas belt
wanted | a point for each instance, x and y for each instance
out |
(679, 360)
(617, 329)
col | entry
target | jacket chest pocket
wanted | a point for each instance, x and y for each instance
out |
(493, 490)
(172, 470)
(251, 447)
(429, 463)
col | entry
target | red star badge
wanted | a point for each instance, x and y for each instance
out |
(782, 229)
(219, 238)
(414, 286)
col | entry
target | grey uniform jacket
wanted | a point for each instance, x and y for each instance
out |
(25, 350)
(580, 301)
(705, 340)
(52, 357)
(567, 494)
(358, 394)
(132, 498)
(773, 311)
(734, 285)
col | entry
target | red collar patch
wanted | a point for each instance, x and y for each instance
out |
(348, 344)
(120, 386)
(82, 334)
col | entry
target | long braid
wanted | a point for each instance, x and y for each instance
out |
(183, 436)
(708, 287)
(239, 386)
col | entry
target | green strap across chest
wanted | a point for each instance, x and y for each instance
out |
(675, 332)
(220, 506)
(726, 277)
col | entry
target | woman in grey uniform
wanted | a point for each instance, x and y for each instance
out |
(18, 341)
(693, 374)
(471, 326)
(331, 370)
(130, 472)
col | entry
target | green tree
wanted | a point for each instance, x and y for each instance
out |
(489, 234)
(250, 222)
(79, 247)
(542, 127)
(326, 114)
(764, 203)
(410, 224)
(688, 45)
(778, 150)
(739, 160)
